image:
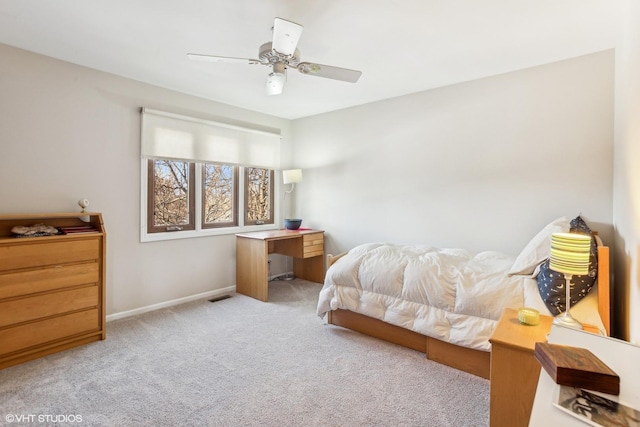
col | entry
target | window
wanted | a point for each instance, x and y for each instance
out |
(201, 177)
(170, 195)
(259, 196)
(219, 196)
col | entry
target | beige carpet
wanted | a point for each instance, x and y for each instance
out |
(241, 362)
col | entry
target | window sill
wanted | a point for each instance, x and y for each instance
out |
(204, 232)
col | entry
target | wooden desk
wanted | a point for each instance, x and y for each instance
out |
(252, 258)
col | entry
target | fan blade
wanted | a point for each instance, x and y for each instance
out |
(286, 35)
(329, 72)
(211, 58)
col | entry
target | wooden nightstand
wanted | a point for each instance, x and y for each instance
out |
(514, 369)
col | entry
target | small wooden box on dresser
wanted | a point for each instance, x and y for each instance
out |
(52, 288)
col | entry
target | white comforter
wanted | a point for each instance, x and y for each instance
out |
(450, 294)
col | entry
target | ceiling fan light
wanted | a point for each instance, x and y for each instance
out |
(275, 83)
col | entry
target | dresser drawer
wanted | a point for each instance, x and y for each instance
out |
(22, 283)
(312, 245)
(47, 331)
(37, 307)
(34, 254)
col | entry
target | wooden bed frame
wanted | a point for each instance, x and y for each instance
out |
(476, 362)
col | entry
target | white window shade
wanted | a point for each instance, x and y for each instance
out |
(171, 136)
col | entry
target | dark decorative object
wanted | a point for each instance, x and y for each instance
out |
(292, 224)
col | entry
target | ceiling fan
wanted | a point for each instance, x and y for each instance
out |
(280, 54)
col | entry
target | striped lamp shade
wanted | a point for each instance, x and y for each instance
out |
(570, 253)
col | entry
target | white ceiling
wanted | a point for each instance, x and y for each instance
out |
(401, 46)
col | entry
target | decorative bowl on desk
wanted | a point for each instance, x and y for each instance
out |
(292, 224)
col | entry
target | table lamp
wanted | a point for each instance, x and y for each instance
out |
(569, 255)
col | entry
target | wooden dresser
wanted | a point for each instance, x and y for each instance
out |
(52, 288)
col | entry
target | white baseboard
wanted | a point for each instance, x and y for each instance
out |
(210, 294)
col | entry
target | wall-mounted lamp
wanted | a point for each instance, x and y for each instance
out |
(291, 176)
(569, 255)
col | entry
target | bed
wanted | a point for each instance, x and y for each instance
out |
(446, 302)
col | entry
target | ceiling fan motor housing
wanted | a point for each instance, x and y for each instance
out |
(269, 55)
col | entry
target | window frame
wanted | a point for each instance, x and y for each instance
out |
(245, 187)
(235, 204)
(199, 230)
(151, 228)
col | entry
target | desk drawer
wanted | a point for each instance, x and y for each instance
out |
(312, 245)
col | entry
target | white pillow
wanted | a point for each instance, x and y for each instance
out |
(537, 250)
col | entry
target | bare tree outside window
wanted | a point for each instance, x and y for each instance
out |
(220, 204)
(259, 196)
(171, 198)
(170, 195)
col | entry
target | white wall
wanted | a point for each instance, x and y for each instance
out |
(627, 178)
(481, 165)
(68, 132)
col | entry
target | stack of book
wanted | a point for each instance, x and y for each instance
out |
(78, 229)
